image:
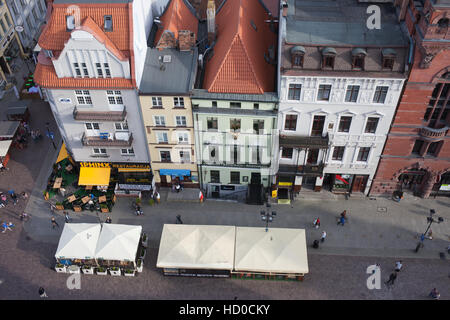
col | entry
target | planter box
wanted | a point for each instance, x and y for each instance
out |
(105, 210)
(129, 274)
(88, 270)
(142, 256)
(73, 269)
(102, 273)
(139, 269)
(145, 243)
(61, 269)
(115, 272)
(59, 207)
(77, 208)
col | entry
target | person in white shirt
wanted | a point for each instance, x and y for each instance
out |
(324, 235)
(398, 266)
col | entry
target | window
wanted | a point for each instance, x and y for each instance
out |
(214, 104)
(185, 156)
(92, 126)
(433, 148)
(388, 62)
(183, 137)
(213, 153)
(165, 156)
(352, 94)
(258, 126)
(363, 154)
(256, 106)
(100, 151)
(235, 154)
(215, 176)
(338, 153)
(48, 53)
(128, 152)
(99, 70)
(294, 91)
(324, 92)
(107, 21)
(85, 70)
(161, 137)
(181, 121)
(344, 124)
(297, 60)
(121, 126)
(114, 97)
(160, 121)
(157, 102)
(317, 127)
(107, 71)
(212, 123)
(83, 97)
(235, 105)
(70, 23)
(380, 94)
(313, 156)
(235, 177)
(358, 62)
(371, 125)
(439, 104)
(417, 146)
(178, 102)
(287, 153)
(291, 122)
(76, 66)
(235, 125)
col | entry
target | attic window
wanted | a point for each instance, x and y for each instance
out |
(358, 56)
(388, 56)
(253, 25)
(328, 55)
(70, 23)
(108, 26)
(297, 56)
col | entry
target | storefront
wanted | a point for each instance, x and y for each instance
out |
(442, 187)
(183, 176)
(345, 183)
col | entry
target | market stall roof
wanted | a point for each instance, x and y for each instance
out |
(279, 250)
(196, 247)
(4, 147)
(63, 154)
(118, 242)
(94, 176)
(78, 241)
(8, 129)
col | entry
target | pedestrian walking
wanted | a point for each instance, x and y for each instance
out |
(316, 244)
(398, 266)
(54, 223)
(52, 208)
(158, 198)
(316, 223)
(108, 220)
(434, 294)
(430, 235)
(42, 293)
(23, 217)
(391, 280)
(24, 195)
(344, 214)
(179, 220)
(341, 221)
(66, 217)
(324, 235)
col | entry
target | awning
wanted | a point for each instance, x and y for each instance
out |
(118, 242)
(62, 153)
(4, 147)
(78, 241)
(94, 176)
(174, 172)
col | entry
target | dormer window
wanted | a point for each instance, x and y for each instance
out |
(358, 56)
(108, 26)
(328, 55)
(297, 56)
(388, 58)
(443, 23)
(70, 23)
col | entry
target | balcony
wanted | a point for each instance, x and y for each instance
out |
(119, 139)
(302, 142)
(433, 134)
(96, 114)
(307, 170)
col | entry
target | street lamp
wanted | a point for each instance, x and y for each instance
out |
(267, 216)
(430, 221)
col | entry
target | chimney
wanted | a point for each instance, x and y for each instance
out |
(186, 40)
(285, 8)
(211, 20)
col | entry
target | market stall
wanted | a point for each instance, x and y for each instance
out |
(279, 253)
(76, 247)
(4, 152)
(119, 248)
(196, 250)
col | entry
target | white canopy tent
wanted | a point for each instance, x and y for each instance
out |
(196, 247)
(277, 251)
(4, 147)
(78, 241)
(118, 242)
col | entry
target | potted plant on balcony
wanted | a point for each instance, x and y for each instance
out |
(60, 268)
(87, 269)
(115, 271)
(140, 265)
(144, 240)
(102, 271)
(59, 206)
(129, 272)
(104, 207)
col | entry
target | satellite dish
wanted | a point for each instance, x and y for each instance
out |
(19, 28)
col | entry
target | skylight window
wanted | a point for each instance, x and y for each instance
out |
(108, 25)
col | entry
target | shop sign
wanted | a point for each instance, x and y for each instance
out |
(229, 188)
(115, 165)
(444, 187)
(274, 193)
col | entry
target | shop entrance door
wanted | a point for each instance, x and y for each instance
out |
(215, 191)
(359, 183)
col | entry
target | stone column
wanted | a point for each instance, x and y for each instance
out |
(428, 185)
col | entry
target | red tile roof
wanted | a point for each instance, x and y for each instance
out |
(238, 64)
(273, 6)
(200, 6)
(176, 17)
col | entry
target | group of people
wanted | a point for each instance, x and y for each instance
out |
(316, 224)
(14, 198)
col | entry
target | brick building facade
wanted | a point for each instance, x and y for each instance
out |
(416, 157)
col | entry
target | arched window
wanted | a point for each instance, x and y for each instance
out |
(297, 56)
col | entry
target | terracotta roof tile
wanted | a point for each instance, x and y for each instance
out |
(46, 77)
(238, 64)
(176, 17)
